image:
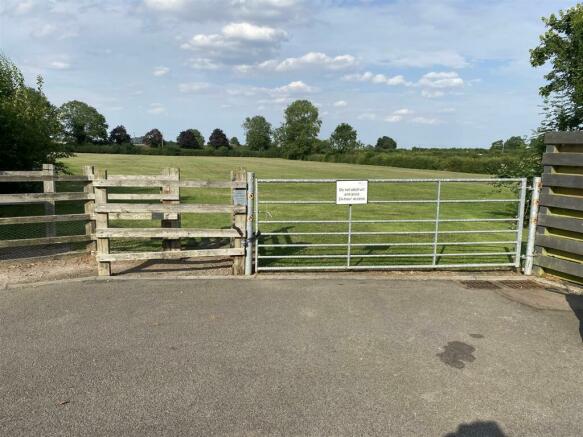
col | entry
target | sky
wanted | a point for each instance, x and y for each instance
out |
(429, 73)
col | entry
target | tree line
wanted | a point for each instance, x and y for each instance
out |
(296, 138)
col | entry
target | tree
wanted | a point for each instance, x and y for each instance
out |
(82, 123)
(119, 135)
(344, 138)
(28, 123)
(199, 137)
(562, 46)
(299, 131)
(235, 142)
(154, 138)
(514, 143)
(218, 139)
(188, 139)
(497, 145)
(386, 143)
(257, 133)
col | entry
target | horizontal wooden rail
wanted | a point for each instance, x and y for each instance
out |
(563, 159)
(44, 241)
(139, 256)
(563, 180)
(560, 265)
(557, 138)
(559, 243)
(561, 222)
(44, 219)
(141, 196)
(166, 233)
(41, 178)
(7, 199)
(561, 201)
(21, 173)
(184, 208)
(160, 181)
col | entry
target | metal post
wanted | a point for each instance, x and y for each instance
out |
(532, 222)
(436, 234)
(520, 223)
(349, 235)
(249, 226)
(256, 192)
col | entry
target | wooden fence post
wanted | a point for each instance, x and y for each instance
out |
(239, 219)
(171, 220)
(49, 187)
(89, 206)
(102, 222)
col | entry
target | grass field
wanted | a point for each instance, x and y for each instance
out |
(373, 245)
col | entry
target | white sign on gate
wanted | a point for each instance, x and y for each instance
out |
(351, 192)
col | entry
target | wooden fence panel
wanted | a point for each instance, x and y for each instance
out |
(559, 235)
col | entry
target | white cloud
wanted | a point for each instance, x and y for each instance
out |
(193, 87)
(237, 42)
(251, 32)
(156, 108)
(294, 88)
(59, 65)
(203, 64)
(393, 118)
(431, 94)
(160, 71)
(309, 60)
(441, 80)
(377, 79)
(340, 104)
(165, 5)
(403, 111)
(425, 120)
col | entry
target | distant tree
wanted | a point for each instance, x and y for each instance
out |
(562, 46)
(257, 133)
(82, 123)
(299, 131)
(344, 138)
(119, 135)
(235, 142)
(497, 145)
(28, 123)
(514, 143)
(154, 138)
(218, 139)
(188, 139)
(386, 143)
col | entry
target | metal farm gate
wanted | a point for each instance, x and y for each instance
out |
(404, 224)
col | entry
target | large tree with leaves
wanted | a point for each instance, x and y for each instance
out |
(28, 123)
(298, 134)
(561, 46)
(344, 138)
(218, 139)
(385, 143)
(257, 133)
(119, 135)
(188, 139)
(82, 123)
(154, 138)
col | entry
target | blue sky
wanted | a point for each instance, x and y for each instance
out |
(425, 72)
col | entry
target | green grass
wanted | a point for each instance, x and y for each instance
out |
(218, 168)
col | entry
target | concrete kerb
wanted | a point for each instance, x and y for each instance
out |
(423, 276)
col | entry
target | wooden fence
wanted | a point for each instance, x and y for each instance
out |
(559, 235)
(104, 202)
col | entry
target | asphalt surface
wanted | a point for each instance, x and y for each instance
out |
(285, 357)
